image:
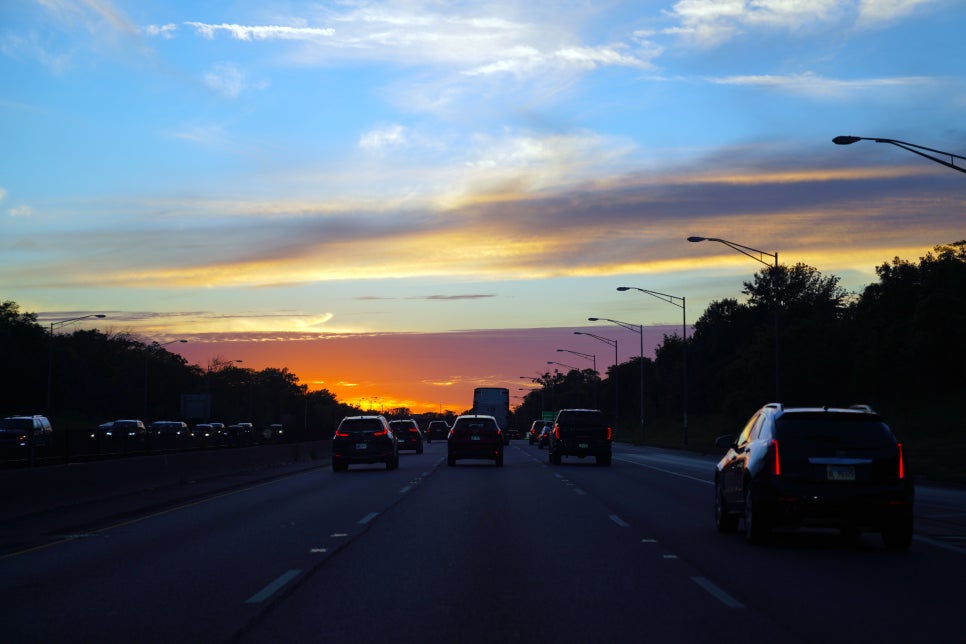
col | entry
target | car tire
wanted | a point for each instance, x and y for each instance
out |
(499, 460)
(723, 520)
(555, 459)
(897, 534)
(757, 528)
(419, 449)
(339, 466)
(604, 460)
(450, 460)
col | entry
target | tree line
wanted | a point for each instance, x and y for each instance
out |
(899, 343)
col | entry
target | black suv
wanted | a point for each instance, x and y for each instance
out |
(408, 434)
(25, 431)
(825, 467)
(581, 432)
(475, 436)
(437, 429)
(364, 439)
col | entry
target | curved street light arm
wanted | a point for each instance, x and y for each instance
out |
(661, 296)
(612, 343)
(589, 356)
(910, 147)
(744, 250)
(636, 328)
(571, 367)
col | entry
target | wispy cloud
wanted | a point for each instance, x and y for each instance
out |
(816, 85)
(712, 22)
(230, 80)
(261, 32)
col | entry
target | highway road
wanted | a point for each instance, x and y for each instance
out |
(474, 553)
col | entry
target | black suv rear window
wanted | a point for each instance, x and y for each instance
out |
(16, 423)
(822, 432)
(361, 425)
(588, 417)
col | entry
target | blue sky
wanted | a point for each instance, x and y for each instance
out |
(367, 167)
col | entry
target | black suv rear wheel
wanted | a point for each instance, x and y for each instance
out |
(897, 534)
(723, 520)
(757, 527)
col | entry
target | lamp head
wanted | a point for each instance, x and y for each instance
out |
(697, 239)
(846, 140)
(623, 288)
(593, 319)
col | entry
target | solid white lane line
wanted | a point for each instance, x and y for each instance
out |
(405, 489)
(369, 517)
(661, 469)
(273, 587)
(619, 521)
(718, 594)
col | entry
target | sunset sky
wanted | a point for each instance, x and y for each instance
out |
(404, 200)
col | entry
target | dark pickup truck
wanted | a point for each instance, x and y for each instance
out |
(580, 432)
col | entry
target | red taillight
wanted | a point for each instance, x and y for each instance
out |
(777, 465)
(381, 433)
(902, 462)
(342, 434)
(610, 433)
(413, 430)
(556, 431)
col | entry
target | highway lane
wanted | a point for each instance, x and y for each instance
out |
(431, 553)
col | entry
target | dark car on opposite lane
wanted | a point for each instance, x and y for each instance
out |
(475, 436)
(364, 439)
(815, 467)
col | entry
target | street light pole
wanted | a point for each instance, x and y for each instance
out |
(911, 147)
(613, 343)
(50, 351)
(670, 299)
(751, 252)
(639, 329)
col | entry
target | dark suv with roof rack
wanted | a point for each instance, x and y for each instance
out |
(815, 467)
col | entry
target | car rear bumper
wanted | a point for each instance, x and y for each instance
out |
(475, 450)
(835, 505)
(580, 448)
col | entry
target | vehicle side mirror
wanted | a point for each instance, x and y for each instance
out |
(725, 442)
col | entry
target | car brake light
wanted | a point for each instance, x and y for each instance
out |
(413, 430)
(902, 462)
(610, 433)
(342, 434)
(381, 433)
(556, 431)
(777, 465)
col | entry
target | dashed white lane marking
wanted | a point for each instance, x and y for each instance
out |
(369, 517)
(619, 521)
(273, 587)
(718, 594)
(405, 489)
